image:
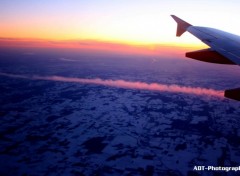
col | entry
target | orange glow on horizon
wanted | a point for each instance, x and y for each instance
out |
(166, 50)
(134, 23)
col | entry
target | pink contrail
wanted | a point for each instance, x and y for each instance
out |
(126, 84)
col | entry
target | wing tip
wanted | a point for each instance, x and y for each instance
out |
(181, 25)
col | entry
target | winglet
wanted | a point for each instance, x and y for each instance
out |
(181, 25)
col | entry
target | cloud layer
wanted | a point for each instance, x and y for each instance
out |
(125, 84)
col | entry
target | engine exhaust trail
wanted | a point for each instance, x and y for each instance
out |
(125, 84)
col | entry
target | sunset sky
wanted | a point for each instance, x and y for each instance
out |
(135, 22)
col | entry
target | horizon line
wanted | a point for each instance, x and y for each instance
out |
(128, 43)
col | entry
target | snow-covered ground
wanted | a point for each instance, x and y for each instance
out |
(59, 128)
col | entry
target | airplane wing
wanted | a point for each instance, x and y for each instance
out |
(224, 48)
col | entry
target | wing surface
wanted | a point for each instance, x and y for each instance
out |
(224, 48)
(224, 43)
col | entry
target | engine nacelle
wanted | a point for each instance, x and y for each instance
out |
(233, 94)
(207, 55)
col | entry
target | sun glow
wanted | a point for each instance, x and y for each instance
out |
(163, 50)
(129, 22)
